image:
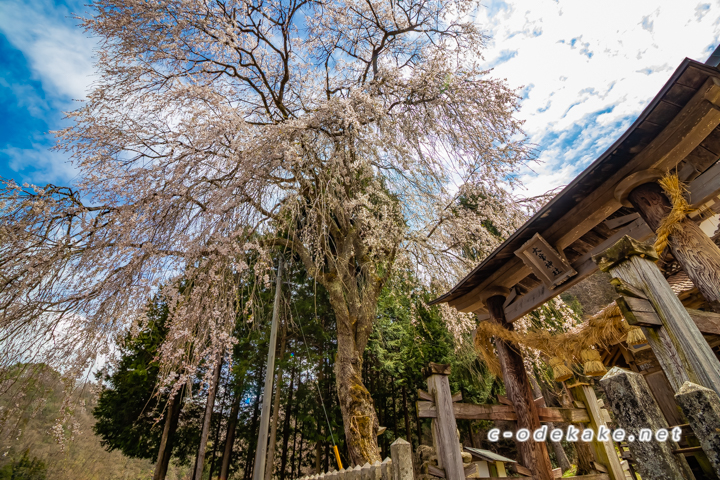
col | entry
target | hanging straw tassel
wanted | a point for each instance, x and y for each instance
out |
(592, 364)
(635, 336)
(560, 371)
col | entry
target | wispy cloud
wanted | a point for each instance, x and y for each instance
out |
(589, 68)
(59, 53)
(48, 64)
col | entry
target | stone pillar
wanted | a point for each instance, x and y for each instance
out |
(701, 407)
(633, 262)
(401, 453)
(635, 409)
(533, 455)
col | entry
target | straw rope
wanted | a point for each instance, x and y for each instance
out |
(602, 329)
(672, 224)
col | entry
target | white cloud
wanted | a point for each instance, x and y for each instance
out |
(59, 53)
(39, 165)
(589, 68)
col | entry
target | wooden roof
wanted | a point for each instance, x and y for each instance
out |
(678, 129)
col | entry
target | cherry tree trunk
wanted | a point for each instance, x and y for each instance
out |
(358, 411)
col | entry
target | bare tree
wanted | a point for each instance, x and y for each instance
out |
(359, 134)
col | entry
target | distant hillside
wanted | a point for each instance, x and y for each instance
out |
(82, 458)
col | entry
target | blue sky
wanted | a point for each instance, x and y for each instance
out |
(585, 70)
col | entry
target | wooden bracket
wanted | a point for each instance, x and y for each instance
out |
(440, 472)
(623, 249)
(624, 288)
(436, 369)
(629, 183)
(423, 395)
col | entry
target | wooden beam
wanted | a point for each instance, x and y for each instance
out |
(641, 313)
(423, 395)
(519, 469)
(623, 288)
(583, 265)
(614, 223)
(468, 411)
(508, 275)
(705, 187)
(685, 132)
(440, 472)
(707, 322)
(692, 248)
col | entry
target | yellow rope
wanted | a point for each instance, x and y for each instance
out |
(672, 224)
(604, 328)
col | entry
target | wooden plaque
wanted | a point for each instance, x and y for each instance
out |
(545, 262)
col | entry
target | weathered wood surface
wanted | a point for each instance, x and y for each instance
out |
(641, 313)
(614, 223)
(468, 411)
(445, 427)
(627, 290)
(533, 455)
(585, 266)
(695, 251)
(635, 408)
(701, 406)
(440, 472)
(436, 369)
(694, 354)
(707, 322)
(665, 397)
(705, 187)
(680, 137)
(604, 451)
(423, 395)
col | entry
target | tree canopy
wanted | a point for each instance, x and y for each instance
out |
(345, 131)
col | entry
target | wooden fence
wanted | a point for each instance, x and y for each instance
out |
(398, 467)
(444, 408)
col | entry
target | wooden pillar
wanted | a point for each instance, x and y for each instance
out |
(633, 262)
(695, 251)
(637, 412)
(444, 426)
(533, 455)
(604, 451)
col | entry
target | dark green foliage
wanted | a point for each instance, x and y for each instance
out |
(25, 468)
(128, 407)
(400, 346)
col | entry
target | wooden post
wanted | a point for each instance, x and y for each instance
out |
(533, 455)
(444, 426)
(695, 251)
(604, 451)
(632, 262)
(635, 409)
(701, 406)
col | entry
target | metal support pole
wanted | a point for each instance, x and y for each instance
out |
(261, 452)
